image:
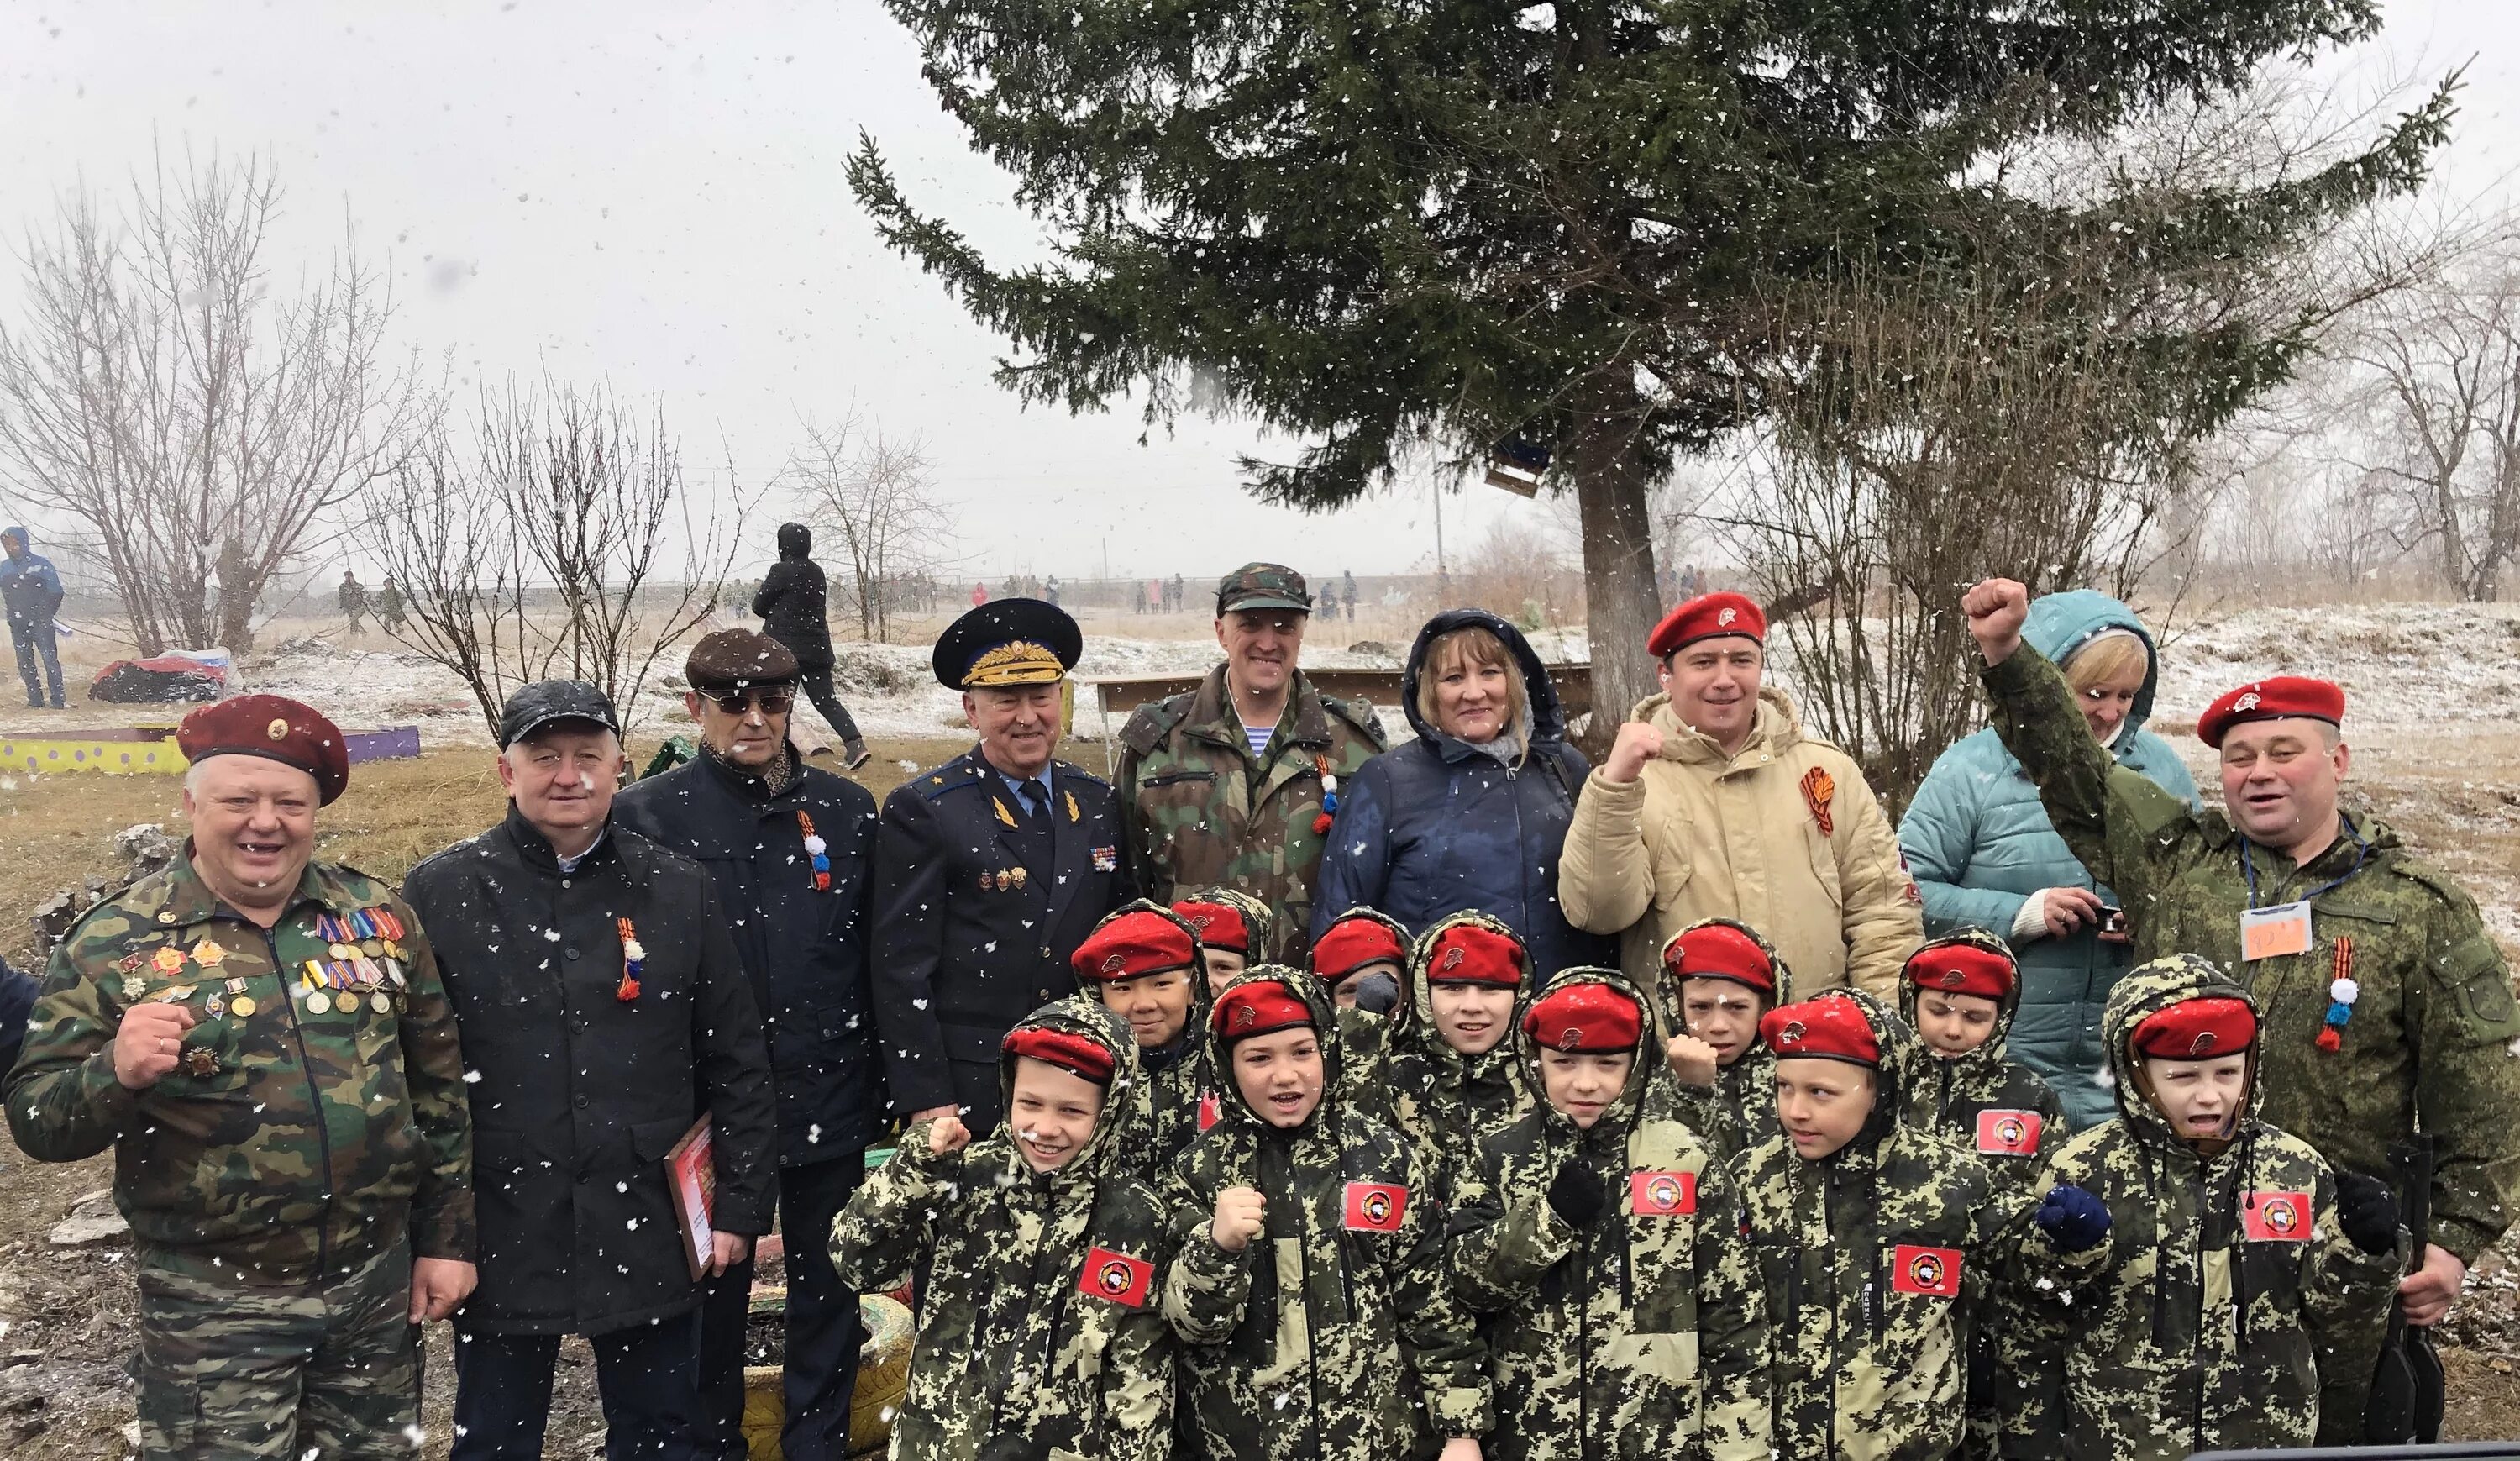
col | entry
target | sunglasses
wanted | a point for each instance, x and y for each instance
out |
(735, 702)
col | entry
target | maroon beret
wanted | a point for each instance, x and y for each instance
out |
(275, 728)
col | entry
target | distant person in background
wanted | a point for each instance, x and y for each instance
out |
(1180, 595)
(1347, 588)
(353, 599)
(1471, 815)
(1982, 848)
(791, 604)
(1050, 589)
(389, 608)
(980, 594)
(33, 592)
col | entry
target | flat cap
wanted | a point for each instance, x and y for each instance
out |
(547, 701)
(738, 659)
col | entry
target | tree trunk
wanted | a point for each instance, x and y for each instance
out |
(1621, 605)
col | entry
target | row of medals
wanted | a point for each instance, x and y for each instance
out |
(364, 968)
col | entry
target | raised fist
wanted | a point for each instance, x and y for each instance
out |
(1995, 609)
(1240, 1215)
(149, 1043)
(1693, 1061)
(947, 1134)
(1638, 742)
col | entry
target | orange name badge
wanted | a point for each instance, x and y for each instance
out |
(2275, 1216)
(2272, 932)
(1662, 1194)
(2008, 1133)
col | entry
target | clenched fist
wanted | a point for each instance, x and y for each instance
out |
(1693, 1061)
(1995, 609)
(1638, 742)
(1240, 1213)
(947, 1134)
(149, 1044)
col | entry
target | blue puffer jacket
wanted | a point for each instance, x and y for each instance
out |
(1437, 827)
(1979, 843)
(29, 586)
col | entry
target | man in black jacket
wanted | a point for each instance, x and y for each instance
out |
(788, 848)
(790, 603)
(601, 1009)
(990, 869)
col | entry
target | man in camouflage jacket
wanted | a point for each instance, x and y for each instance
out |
(1874, 1259)
(2428, 1040)
(1041, 1334)
(1443, 1100)
(1640, 1334)
(264, 1043)
(1202, 807)
(2195, 1322)
(1332, 1336)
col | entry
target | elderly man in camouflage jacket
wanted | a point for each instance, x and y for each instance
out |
(2387, 1004)
(1233, 783)
(264, 1042)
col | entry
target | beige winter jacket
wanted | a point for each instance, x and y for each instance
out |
(1784, 835)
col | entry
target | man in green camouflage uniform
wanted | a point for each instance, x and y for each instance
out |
(2428, 1039)
(2179, 1314)
(1873, 1255)
(1444, 1100)
(1233, 783)
(1331, 1333)
(1628, 1321)
(1040, 1327)
(264, 1043)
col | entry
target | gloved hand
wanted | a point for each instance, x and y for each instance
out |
(2367, 1211)
(1377, 993)
(1576, 1194)
(2072, 1219)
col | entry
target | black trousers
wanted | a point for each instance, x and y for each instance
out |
(818, 689)
(823, 1334)
(648, 1375)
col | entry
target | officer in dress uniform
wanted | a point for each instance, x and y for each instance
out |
(990, 870)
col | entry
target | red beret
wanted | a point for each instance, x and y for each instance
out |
(1061, 1048)
(1219, 925)
(1353, 942)
(1261, 1007)
(1129, 945)
(275, 728)
(2196, 1030)
(2272, 700)
(1822, 1029)
(1719, 951)
(1962, 966)
(1585, 1019)
(1468, 954)
(1707, 616)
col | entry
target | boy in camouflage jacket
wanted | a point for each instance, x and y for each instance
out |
(1309, 1290)
(1607, 1245)
(1959, 993)
(1035, 1255)
(1876, 1242)
(1720, 979)
(2186, 1273)
(1453, 1075)
(1145, 963)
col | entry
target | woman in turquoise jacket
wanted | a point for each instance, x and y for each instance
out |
(1980, 847)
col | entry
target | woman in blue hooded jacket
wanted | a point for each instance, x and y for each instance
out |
(1473, 814)
(1980, 847)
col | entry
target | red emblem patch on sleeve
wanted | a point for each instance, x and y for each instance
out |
(1116, 1276)
(1934, 1272)
(2008, 1133)
(1662, 1194)
(2275, 1216)
(1376, 1207)
(1208, 1109)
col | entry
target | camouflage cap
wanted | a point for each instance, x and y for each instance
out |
(1263, 585)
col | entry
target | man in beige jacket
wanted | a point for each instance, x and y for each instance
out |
(1714, 803)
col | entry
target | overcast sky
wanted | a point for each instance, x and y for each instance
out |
(652, 193)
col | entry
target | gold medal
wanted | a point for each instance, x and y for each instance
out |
(319, 1002)
(242, 1006)
(1021, 875)
(200, 1062)
(208, 954)
(168, 959)
(372, 947)
(341, 951)
(379, 1002)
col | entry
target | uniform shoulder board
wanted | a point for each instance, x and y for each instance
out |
(1070, 768)
(1151, 723)
(2442, 884)
(1360, 716)
(948, 778)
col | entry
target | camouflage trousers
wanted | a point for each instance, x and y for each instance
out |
(235, 1372)
(2346, 1357)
